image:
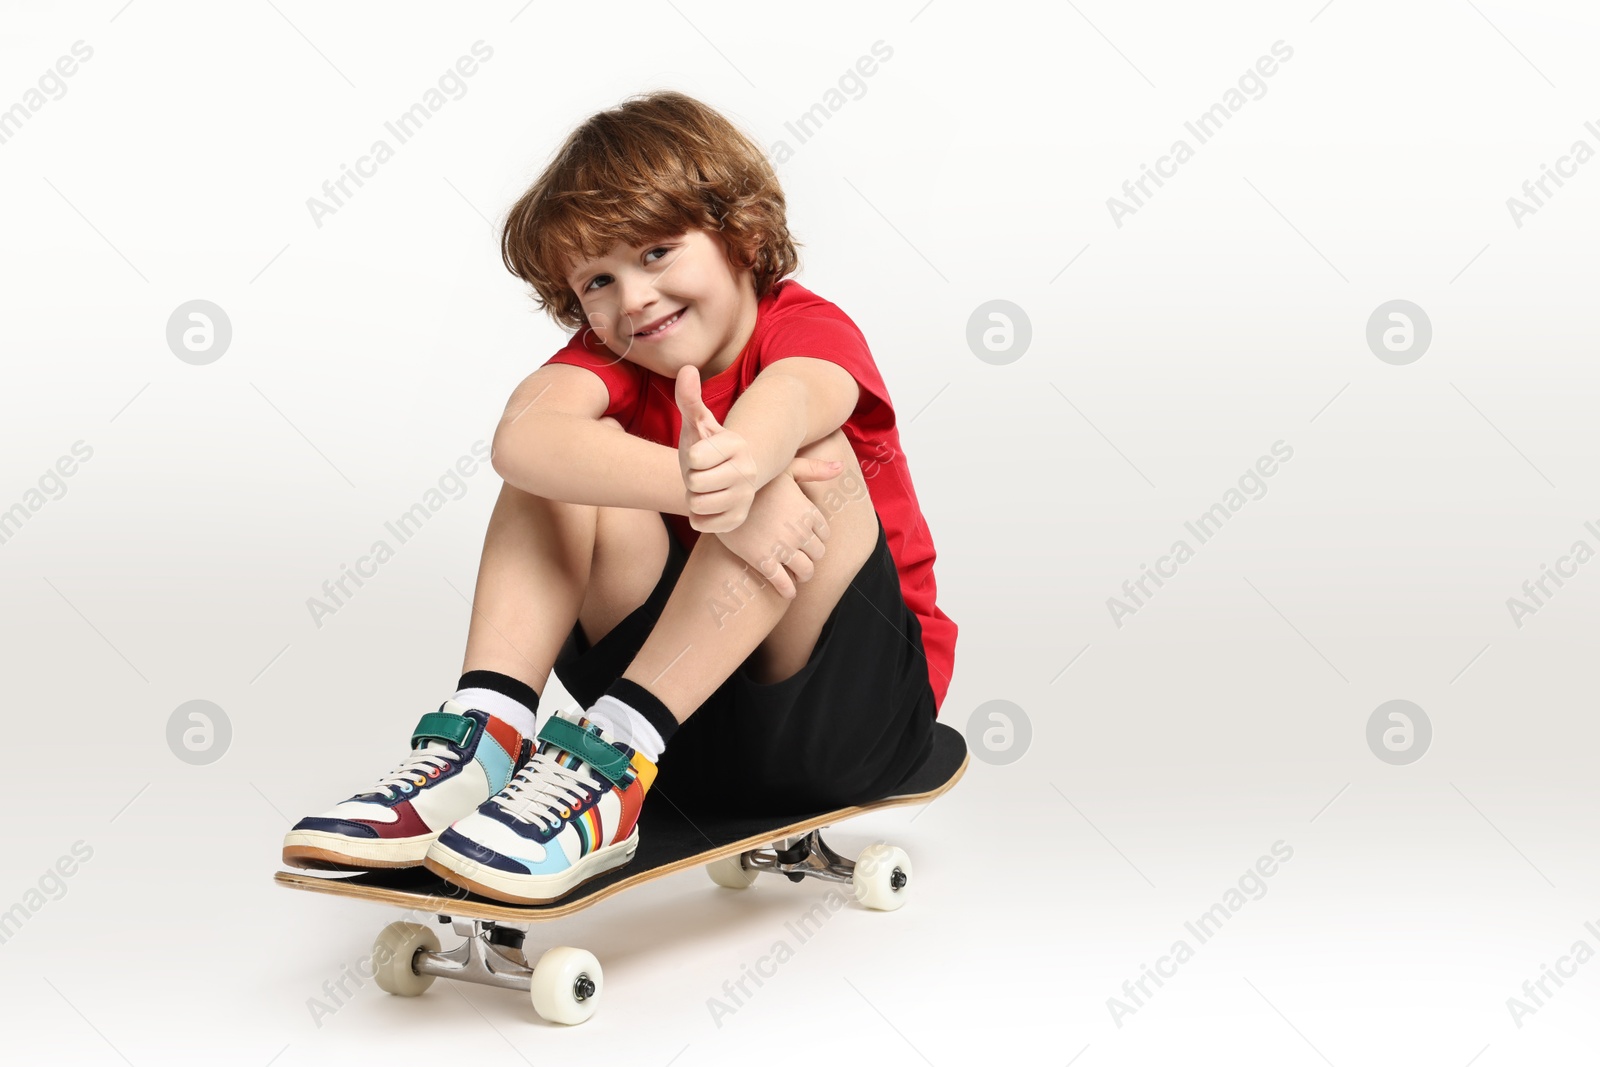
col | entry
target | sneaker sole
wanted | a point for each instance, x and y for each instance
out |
(528, 889)
(321, 850)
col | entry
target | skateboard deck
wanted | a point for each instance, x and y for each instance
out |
(670, 840)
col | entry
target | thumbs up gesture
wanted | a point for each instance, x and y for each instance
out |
(717, 464)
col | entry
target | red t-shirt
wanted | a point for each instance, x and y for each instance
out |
(793, 321)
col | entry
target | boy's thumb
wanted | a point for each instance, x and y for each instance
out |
(691, 406)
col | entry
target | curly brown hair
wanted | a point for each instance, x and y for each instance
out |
(657, 165)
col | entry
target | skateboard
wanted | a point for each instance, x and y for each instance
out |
(565, 983)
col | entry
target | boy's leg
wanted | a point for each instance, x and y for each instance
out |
(572, 814)
(705, 632)
(853, 532)
(545, 563)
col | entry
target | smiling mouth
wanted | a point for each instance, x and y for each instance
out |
(664, 327)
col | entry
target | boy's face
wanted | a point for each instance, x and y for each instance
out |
(686, 279)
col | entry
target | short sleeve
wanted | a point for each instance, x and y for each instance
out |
(837, 340)
(621, 378)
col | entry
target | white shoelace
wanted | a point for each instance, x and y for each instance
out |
(543, 789)
(423, 763)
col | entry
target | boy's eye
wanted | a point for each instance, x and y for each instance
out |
(599, 278)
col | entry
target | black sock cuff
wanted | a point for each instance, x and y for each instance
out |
(645, 703)
(503, 684)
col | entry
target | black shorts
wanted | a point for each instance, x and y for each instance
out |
(849, 727)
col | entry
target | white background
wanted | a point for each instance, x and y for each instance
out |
(1166, 754)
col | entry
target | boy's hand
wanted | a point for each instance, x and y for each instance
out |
(717, 466)
(782, 538)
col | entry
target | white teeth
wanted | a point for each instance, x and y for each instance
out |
(663, 326)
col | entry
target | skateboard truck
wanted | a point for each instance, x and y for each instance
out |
(489, 954)
(878, 877)
(798, 858)
(564, 984)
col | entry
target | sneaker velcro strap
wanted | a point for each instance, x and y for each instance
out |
(438, 726)
(587, 744)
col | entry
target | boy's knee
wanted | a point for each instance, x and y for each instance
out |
(630, 540)
(630, 554)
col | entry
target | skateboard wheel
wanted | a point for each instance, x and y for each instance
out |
(565, 986)
(881, 877)
(731, 873)
(392, 955)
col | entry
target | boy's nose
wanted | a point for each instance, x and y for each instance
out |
(637, 300)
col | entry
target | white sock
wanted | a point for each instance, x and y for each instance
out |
(622, 723)
(502, 707)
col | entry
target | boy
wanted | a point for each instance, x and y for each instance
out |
(707, 529)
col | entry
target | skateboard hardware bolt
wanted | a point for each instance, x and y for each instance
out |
(898, 879)
(583, 988)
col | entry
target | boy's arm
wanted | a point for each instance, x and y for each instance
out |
(791, 403)
(551, 443)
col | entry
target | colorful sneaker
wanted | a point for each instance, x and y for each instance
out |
(569, 815)
(459, 757)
